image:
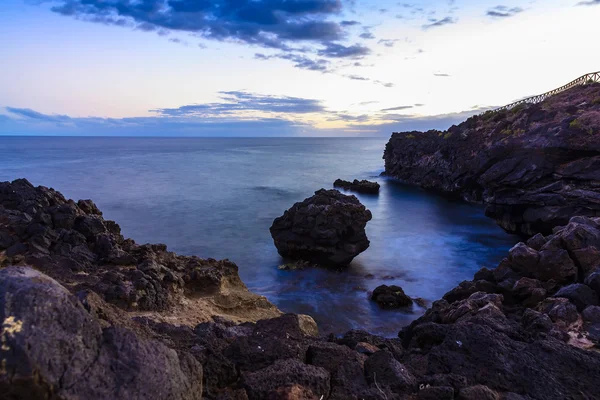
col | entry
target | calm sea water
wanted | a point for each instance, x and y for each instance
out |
(218, 197)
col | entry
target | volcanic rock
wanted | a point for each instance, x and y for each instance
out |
(390, 297)
(327, 228)
(534, 166)
(363, 186)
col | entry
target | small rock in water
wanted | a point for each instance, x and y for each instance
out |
(389, 297)
(363, 186)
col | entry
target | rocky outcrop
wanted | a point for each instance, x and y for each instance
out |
(390, 297)
(363, 186)
(53, 348)
(72, 243)
(534, 166)
(327, 228)
(528, 329)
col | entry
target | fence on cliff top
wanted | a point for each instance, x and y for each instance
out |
(582, 80)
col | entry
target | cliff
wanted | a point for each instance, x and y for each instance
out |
(534, 166)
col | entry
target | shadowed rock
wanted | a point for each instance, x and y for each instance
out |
(390, 297)
(327, 228)
(363, 186)
(534, 166)
(52, 347)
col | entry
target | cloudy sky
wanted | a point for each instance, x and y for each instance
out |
(280, 67)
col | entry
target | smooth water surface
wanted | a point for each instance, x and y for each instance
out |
(218, 197)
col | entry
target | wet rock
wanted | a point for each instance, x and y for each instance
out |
(389, 297)
(327, 228)
(363, 186)
(579, 294)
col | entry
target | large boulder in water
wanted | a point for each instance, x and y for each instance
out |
(327, 228)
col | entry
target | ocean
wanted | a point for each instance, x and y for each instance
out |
(216, 197)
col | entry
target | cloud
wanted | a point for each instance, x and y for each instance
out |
(367, 35)
(397, 108)
(228, 119)
(357, 78)
(34, 115)
(442, 75)
(504, 12)
(435, 23)
(589, 3)
(267, 23)
(336, 50)
(300, 61)
(387, 42)
(241, 101)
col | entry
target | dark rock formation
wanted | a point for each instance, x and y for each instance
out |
(535, 166)
(390, 297)
(363, 186)
(327, 228)
(53, 348)
(516, 332)
(72, 243)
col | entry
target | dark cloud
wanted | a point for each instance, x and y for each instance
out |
(34, 115)
(367, 35)
(336, 50)
(268, 23)
(503, 11)
(589, 3)
(349, 23)
(435, 23)
(357, 78)
(235, 102)
(397, 108)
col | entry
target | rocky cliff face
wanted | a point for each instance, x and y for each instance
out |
(534, 166)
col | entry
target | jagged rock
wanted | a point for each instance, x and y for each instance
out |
(284, 375)
(390, 297)
(560, 310)
(363, 186)
(327, 228)
(534, 166)
(52, 347)
(384, 370)
(478, 392)
(72, 243)
(591, 314)
(579, 294)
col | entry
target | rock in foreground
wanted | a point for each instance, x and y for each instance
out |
(53, 348)
(327, 228)
(363, 186)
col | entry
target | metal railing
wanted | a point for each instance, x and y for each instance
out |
(582, 80)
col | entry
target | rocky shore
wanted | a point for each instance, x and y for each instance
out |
(534, 166)
(87, 313)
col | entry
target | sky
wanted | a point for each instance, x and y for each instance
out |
(280, 67)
